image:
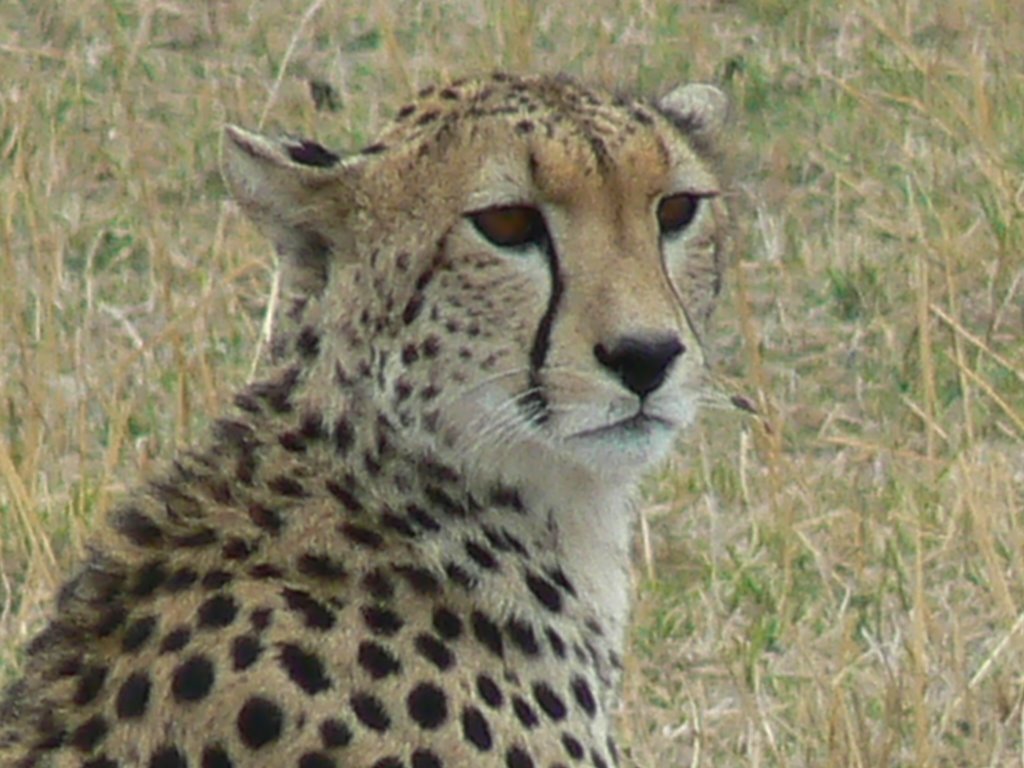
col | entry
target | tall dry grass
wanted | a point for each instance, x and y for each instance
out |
(838, 583)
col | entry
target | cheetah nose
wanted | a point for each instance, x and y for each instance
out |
(641, 364)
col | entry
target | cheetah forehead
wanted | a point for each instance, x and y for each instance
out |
(551, 107)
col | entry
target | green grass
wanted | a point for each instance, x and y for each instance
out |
(841, 585)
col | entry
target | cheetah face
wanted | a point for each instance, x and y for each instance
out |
(550, 255)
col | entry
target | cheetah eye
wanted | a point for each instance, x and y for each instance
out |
(510, 226)
(676, 212)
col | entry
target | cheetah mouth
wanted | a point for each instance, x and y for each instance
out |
(639, 425)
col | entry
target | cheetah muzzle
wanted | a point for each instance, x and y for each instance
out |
(407, 546)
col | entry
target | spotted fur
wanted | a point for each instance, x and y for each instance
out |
(407, 545)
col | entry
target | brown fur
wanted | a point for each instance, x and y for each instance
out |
(407, 546)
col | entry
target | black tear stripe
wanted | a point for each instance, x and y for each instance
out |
(535, 404)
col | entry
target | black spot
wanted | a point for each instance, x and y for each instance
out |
(334, 733)
(459, 575)
(524, 712)
(422, 581)
(321, 567)
(133, 696)
(489, 691)
(370, 711)
(558, 576)
(109, 621)
(182, 579)
(304, 668)
(50, 732)
(642, 117)
(90, 682)
(217, 612)
(312, 154)
(481, 555)
(287, 486)
(308, 343)
(314, 614)
(264, 571)
(379, 585)
(388, 762)
(138, 528)
(421, 518)
(277, 393)
(260, 721)
(427, 705)
(405, 111)
(97, 762)
(447, 624)
(424, 758)
(90, 733)
(412, 308)
(475, 729)
(545, 592)
(435, 651)
(261, 618)
(381, 621)
(236, 434)
(613, 750)
(428, 117)
(583, 695)
(292, 441)
(201, 538)
(216, 579)
(267, 519)
(149, 578)
(344, 435)
(549, 701)
(193, 679)
(522, 636)
(316, 760)
(245, 650)
(597, 760)
(345, 496)
(398, 524)
(487, 632)
(557, 643)
(246, 402)
(504, 496)
(167, 757)
(572, 746)
(175, 640)
(236, 549)
(516, 757)
(377, 660)
(215, 756)
(364, 537)
(431, 346)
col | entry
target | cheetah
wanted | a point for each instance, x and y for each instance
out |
(408, 545)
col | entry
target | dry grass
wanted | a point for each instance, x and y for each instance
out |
(845, 587)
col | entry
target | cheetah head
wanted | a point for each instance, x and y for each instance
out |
(517, 269)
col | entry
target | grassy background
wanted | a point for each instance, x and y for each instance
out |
(840, 584)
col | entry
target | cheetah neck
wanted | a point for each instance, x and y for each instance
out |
(584, 524)
(570, 519)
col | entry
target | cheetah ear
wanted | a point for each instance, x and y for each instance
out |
(299, 194)
(697, 109)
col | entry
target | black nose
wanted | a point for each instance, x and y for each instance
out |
(641, 364)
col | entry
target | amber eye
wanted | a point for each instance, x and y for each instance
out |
(676, 212)
(510, 226)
